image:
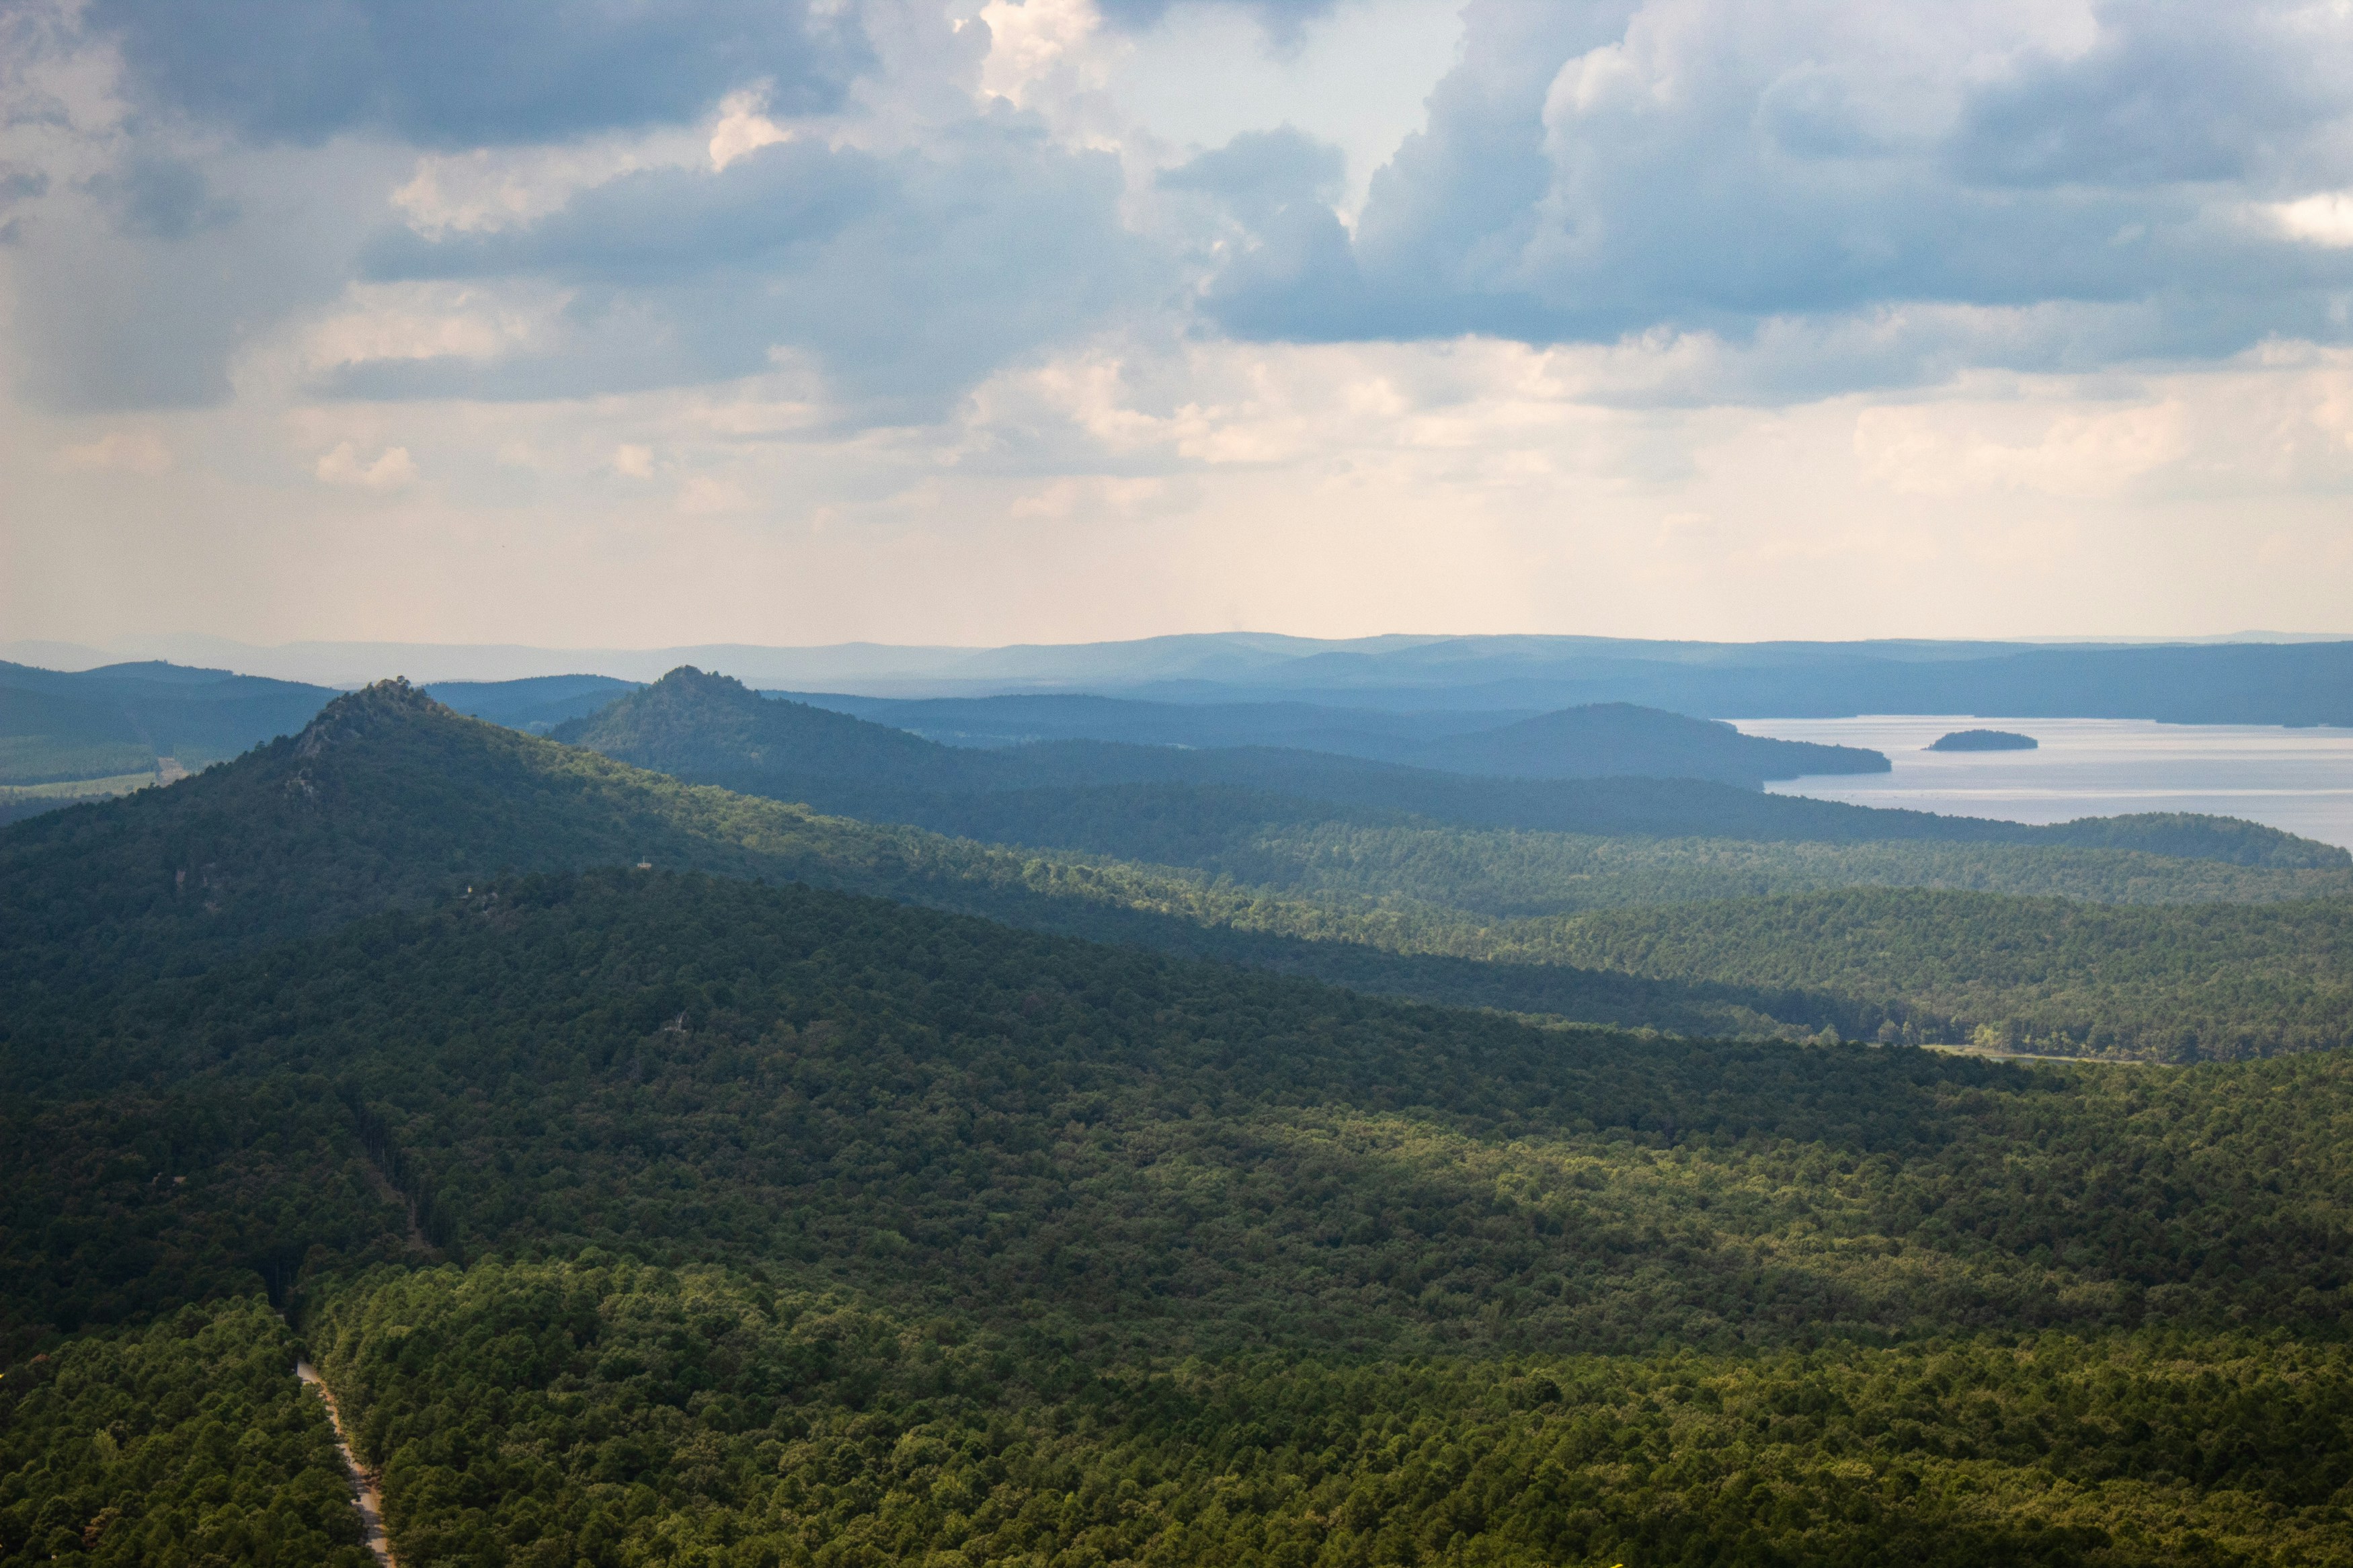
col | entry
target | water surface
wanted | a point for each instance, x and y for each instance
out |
(2300, 780)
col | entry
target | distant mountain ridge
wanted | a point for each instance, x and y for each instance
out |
(389, 800)
(1598, 740)
(535, 705)
(2285, 681)
(712, 730)
(58, 725)
(1115, 742)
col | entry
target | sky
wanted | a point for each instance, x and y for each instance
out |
(596, 322)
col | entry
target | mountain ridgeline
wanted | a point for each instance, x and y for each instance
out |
(388, 800)
(57, 726)
(767, 1204)
(692, 719)
(1595, 741)
(710, 728)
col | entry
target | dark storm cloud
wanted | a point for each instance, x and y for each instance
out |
(442, 73)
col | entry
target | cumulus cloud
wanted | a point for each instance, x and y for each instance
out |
(940, 264)
(906, 276)
(1590, 171)
(438, 73)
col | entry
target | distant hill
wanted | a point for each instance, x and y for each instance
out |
(535, 705)
(2260, 678)
(389, 800)
(1122, 799)
(1595, 741)
(1604, 738)
(60, 726)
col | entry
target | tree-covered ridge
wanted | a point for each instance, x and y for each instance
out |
(1172, 1156)
(783, 1224)
(2176, 982)
(708, 729)
(117, 719)
(1513, 874)
(184, 1443)
(695, 724)
(612, 1414)
(389, 800)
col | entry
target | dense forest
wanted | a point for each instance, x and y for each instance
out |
(389, 800)
(86, 724)
(1043, 1209)
(662, 1175)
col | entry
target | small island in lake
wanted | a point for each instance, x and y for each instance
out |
(1984, 740)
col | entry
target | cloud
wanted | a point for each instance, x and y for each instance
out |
(1281, 19)
(2326, 219)
(392, 469)
(469, 73)
(1261, 172)
(2165, 94)
(1591, 171)
(906, 277)
(161, 198)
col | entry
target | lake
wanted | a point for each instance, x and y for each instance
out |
(2300, 780)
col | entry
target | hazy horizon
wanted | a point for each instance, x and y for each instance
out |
(857, 664)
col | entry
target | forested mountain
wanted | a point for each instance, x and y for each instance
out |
(709, 729)
(389, 800)
(795, 1219)
(1596, 740)
(536, 704)
(120, 717)
(689, 721)
(642, 1216)
(2254, 682)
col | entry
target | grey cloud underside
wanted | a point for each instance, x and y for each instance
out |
(2166, 94)
(469, 73)
(162, 199)
(2104, 181)
(907, 278)
(2101, 206)
(1281, 18)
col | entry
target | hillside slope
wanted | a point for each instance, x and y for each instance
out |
(639, 1217)
(709, 729)
(1594, 741)
(823, 1225)
(388, 800)
(119, 718)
